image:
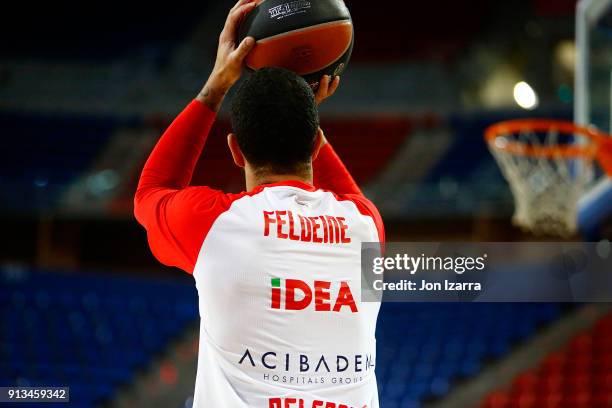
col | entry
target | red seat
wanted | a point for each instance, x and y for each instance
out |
(577, 376)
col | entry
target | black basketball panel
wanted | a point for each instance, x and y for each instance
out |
(273, 17)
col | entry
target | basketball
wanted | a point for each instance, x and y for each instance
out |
(310, 38)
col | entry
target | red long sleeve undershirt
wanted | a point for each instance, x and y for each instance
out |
(177, 216)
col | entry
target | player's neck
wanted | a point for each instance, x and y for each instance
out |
(253, 180)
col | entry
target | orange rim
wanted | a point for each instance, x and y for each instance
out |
(512, 127)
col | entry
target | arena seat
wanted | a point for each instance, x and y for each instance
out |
(86, 331)
(54, 151)
(577, 376)
(423, 348)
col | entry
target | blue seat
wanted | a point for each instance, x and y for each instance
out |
(424, 348)
(87, 331)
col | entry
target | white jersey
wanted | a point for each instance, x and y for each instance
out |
(278, 276)
(282, 324)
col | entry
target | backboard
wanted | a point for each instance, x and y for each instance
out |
(593, 81)
(593, 102)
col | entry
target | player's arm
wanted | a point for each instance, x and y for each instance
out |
(177, 216)
(329, 171)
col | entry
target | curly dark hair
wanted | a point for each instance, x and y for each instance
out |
(275, 119)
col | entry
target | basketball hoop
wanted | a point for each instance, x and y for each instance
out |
(549, 164)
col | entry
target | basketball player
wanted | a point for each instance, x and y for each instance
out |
(277, 268)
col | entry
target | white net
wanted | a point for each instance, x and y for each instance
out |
(545, 182)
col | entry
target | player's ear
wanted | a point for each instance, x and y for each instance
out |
(237, 155)
(319, 142)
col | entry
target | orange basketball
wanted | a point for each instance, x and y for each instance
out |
(310, 37)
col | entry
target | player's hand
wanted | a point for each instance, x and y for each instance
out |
(327, 87)
(230, 57)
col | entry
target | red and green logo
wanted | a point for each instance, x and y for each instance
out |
(295, 294)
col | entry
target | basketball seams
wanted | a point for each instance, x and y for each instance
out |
(289, 33)
(312, 38)
(259, 25)
(342, 25)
